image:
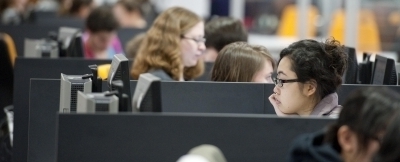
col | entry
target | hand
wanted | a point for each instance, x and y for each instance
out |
(275, 105)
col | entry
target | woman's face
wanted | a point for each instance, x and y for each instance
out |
(192, 45)
(290, 98)
(101, 40)
(264, 75)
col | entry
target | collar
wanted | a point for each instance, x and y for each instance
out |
(327, 105)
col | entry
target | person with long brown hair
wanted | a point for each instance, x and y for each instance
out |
(172, 47)
(241, 62)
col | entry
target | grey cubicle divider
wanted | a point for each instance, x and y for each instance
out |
(26, 68)
(269, 89)
(199, 97)
(345, 90)
(167, 136)
(20, 32)
(216, 97)
(44, 100)
(176, 97)
(127, 34)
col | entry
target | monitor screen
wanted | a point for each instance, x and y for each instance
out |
(350, 76)
(119, 70)
(75, 48)
(384, 72)
(147, 96)
(65, 35)
(365, 70)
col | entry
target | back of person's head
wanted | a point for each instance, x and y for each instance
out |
(204, 153)
(101, 19)
(80, 8)
(221, 31)
(161, 48)
(390, 145)
(4, 4)
(240, 62)
(133, 45)
(129, 14)
(130, 5)
(322, 63)
(363, 121)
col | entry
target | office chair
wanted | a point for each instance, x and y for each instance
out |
(7, 59)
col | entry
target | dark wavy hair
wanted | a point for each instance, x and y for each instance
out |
(325, 62)
(390, 146)
(367, 112)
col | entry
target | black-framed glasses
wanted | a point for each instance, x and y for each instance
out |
(197, 40)
(279, 82)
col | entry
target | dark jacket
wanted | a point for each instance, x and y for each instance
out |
(312, 148)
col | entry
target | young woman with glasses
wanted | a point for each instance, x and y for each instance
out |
(307, 77)
(172, 47)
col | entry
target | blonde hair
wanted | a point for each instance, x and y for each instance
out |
(239, 62)
(160, 48)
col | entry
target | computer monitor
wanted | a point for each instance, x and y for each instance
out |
(350, 76)
(65, 37)
(384, 72)
(147, 96)
(97, 102)
(365, 70)
(75, 48)
(119, 70)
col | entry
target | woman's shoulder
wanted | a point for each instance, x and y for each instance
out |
(311, 147)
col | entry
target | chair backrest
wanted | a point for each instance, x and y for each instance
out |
(288, 23)
(368, 31)
(7, 58)
(12, 51)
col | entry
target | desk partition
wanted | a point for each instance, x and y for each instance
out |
(167, 136)
(24, 70)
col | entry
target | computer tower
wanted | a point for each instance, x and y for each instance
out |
(97, 102)
(69, 87)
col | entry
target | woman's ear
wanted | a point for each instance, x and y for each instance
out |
(310, 88)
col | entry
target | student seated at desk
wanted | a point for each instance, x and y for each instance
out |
(14, 12)
(172, 47)
(221, 31)
(367, 118)
(308, 75)
(241, 62)
(129, 14)
(100, 39)
(76, 8)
